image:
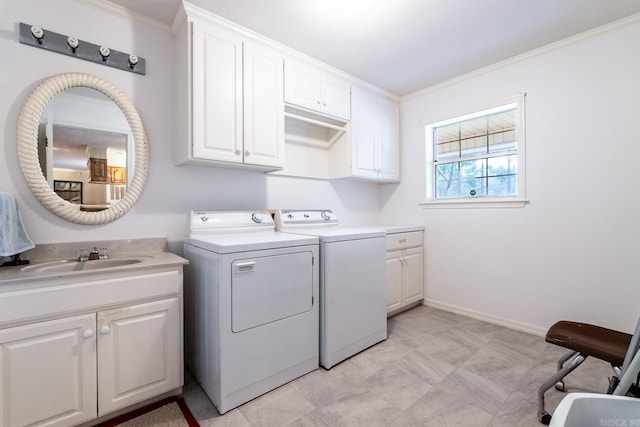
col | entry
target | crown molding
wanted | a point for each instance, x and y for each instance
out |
(115, 9)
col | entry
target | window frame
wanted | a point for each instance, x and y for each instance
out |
(519, 200)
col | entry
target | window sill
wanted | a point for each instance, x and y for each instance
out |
(474, 203)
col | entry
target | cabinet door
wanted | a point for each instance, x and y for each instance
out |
(394, 281)
(374, 137)
(302, 85)
(310, 87)
(363, 134)
(48, 373)
(263, 106)
(388, 141)
(139, 353)
(413, 286)
(217, 94)
(336, 96)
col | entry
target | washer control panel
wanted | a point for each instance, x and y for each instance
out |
(257, 217)
(225, 221)
(314, 217)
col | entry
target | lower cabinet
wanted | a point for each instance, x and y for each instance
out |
(405, 273)
(48, 373)
(139, 353)
(66, 371)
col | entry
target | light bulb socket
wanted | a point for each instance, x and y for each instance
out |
(38, 33)
(105, 52)
(73, 42)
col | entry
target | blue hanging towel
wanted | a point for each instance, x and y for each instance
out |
(13, 236)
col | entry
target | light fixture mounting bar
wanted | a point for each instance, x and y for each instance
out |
(71, 46)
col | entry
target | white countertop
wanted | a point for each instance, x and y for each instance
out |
(151, 252)
(393, 229)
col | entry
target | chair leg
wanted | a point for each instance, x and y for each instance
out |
(565, 369)
(568, 355)
(560, 384)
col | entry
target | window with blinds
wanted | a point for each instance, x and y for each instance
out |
(477, 155)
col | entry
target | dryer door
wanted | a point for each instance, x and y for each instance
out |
(267, 289)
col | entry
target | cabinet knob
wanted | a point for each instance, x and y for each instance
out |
(319, 103)
(247, 153)
(402, 240)
(105, 330)
(237, 152)
(87, 334)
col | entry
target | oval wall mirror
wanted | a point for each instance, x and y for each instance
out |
(82, 148)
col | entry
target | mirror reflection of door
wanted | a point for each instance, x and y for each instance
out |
(87, 139)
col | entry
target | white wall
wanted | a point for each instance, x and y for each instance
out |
(171, 191)
(572, 252)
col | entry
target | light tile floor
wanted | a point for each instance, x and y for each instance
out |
(435, 369)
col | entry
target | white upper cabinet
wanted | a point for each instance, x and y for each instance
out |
(217, 94)
(374, 137)
(229, 98)
(316, 89)
(263, 105)
(245, 101)
(388, 130)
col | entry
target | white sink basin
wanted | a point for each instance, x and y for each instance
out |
(589, 409)
(66, 265)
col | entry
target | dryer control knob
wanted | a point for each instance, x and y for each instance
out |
(204, 218)
(326, 215)
(256, 217)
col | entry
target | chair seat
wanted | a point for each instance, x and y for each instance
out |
(601, 343)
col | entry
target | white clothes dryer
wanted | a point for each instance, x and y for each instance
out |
(251, 305)
(353, 308)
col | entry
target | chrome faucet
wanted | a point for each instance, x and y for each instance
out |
(94, 254)
(83, 255)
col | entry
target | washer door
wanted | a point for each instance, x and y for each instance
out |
(267, 289)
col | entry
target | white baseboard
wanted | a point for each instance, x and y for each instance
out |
(507, 323)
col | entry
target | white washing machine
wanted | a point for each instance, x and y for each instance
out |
(251, 305)
(353, 309)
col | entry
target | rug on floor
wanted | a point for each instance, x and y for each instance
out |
(170, 412)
